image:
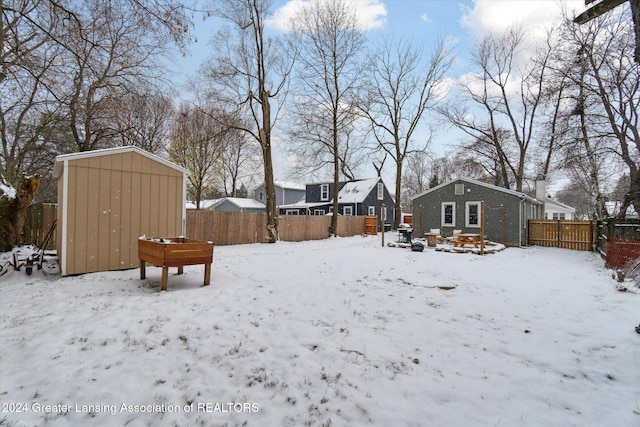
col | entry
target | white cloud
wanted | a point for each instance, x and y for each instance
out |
(491, 16)
(425, 18)
(371, 14)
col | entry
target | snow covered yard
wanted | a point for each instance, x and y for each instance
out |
(335, 332)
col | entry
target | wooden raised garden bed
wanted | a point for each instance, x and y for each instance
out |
(175, 252)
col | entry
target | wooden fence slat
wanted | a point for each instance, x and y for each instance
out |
(222, 228)
(233, 228)
(569, 234)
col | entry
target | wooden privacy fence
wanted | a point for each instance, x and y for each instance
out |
(226, 228)
(37, 225)
(222, 228)
(569, 234)
(234, 228)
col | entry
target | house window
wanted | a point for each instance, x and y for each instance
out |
(261, 196)
(380, 191)
(472, 214)
(347, 210)
(459, 189)
(557, 215)
(448, 217)
(318, 212)
(292, 212)
(324, 192)
(371, 210)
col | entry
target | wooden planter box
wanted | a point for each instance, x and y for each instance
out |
(175, 252)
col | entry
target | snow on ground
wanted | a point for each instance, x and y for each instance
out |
(334, 332)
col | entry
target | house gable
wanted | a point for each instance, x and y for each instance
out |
(358, 197)
(456, 205)
(286, 193)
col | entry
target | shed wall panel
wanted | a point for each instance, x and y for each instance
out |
(113, 200)
(115, 218)
(126, 215)
(82, 223)
(92, 220)
(104, 223)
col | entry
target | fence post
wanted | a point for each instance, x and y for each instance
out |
(382, 207)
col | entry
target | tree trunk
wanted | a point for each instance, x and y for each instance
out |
(269, 186)
(269, 189)
(632, 197)
(14, 213)
(336, 187)
(635, 13)
(398, 207)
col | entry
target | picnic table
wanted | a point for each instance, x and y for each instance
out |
(467, 239)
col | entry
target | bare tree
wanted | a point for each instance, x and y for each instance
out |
(240, 159)
(110, 55)
(144, 121)
(27, 111)
(63, 66)
(597, 59)
(401, 90)
(330, 44)
(248, 72)
(417, 174)
(505, 103)
(197, 142)
(616, 81)
(576, 195)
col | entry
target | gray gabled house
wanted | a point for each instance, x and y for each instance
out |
(456, 205)
(286, 193)
(357, 197)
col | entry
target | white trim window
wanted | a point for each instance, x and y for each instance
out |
(380, 191)
(371, 210)
(324, 192)
(472, 214)
(448, 214)
(319, 212)
(347, 211)
(292, 212)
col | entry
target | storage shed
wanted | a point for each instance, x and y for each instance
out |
(107, 199)
(456, 205)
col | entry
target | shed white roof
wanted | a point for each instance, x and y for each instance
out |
(241, 203)
(59, 164)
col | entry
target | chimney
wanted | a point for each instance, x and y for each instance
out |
(541, 194)
(541, 188)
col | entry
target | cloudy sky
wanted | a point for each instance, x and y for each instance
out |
(462, 21)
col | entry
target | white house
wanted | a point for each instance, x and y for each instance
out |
(556, 210)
